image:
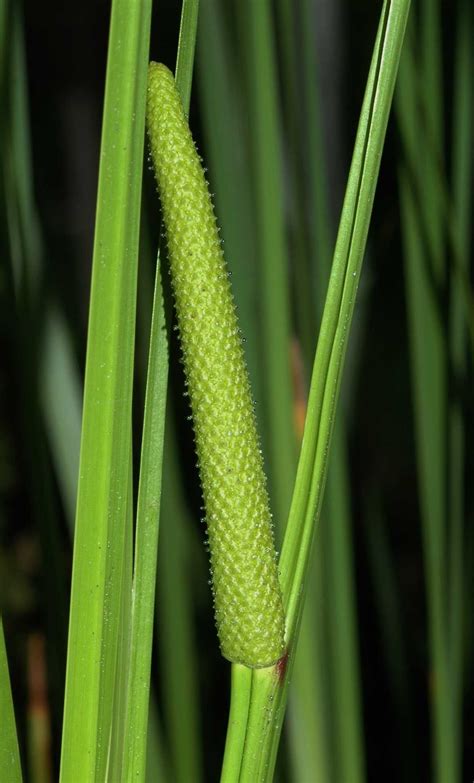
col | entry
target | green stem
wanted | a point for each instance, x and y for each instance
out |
(269, 686)
(241, 682)
(10, 767)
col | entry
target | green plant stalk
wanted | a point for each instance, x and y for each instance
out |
(186, 50)
(102, 509)
(248, 604)
(10, 767)
(241, 688)
(269, 686)
(340, 299)
(146, 547)
(175, 632)
(344, 655)
(309, 713)
(149, 489)
(119, 743)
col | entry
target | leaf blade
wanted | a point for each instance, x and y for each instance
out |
(102, 510)
(10, 766)
(269, 686)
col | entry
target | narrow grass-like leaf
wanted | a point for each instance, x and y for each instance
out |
(339, 583)
(102, 510)
(264, 118)
(269, 686)
(310, 706)
(320, 229)
(222, 111)
(186, 49)
(146, 545)
(241, 691)
(340, 299)
(149, 491)
(294, 108)
(10, 767)
(176, 636)
(118, 746)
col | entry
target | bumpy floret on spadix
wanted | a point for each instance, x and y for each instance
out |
(247, 595)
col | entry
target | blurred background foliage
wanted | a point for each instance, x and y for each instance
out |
(387, 644)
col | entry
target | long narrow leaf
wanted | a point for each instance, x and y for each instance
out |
(118, 745)
(10, 767)
(146, 546)
(264, 116)
(339, 583)
(177, 639)
(223, 118)
(340, 300)
(102, 510)
(149, 491)
(269, 686)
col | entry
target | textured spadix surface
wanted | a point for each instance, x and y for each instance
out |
(247, 596)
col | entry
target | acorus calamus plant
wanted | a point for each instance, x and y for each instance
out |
(258, 596)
